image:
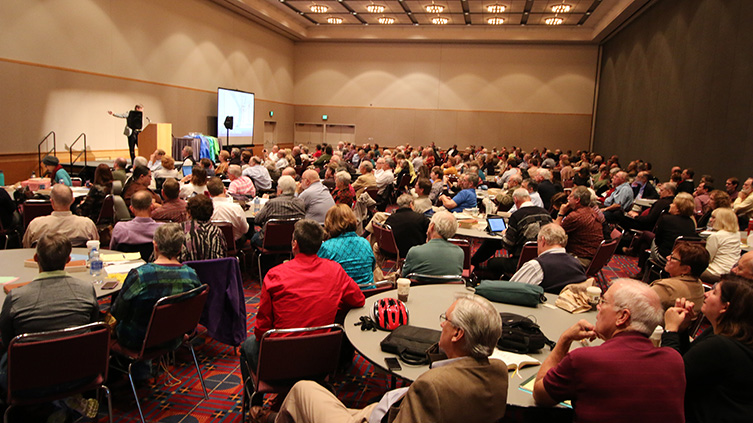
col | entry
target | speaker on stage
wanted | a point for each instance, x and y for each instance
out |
(135, 120)
(229, 122)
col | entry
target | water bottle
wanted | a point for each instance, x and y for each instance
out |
(95, 263)
(257, 204)
(33, 174)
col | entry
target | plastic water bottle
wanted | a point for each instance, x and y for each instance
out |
(257, 204)
(95, 263)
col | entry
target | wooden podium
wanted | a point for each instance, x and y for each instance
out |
(154, 136)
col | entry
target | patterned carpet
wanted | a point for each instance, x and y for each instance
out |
(182, 401)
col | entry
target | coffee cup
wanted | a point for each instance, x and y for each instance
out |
(594, 295)
(403, 289)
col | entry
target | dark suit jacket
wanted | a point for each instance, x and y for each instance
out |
(465, 391)
(649, 192)
(686, 186)
(409, 229)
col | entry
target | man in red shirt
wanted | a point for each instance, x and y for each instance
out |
(304, 292)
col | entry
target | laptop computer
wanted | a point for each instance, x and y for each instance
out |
(187, 170)
(495, 225)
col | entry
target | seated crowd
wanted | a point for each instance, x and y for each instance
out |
(568, 204)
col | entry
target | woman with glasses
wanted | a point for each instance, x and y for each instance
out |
(719, 361)
(685, 265)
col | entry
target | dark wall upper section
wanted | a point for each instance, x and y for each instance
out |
(677, 89)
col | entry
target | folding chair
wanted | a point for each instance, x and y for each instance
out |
(465, 245)
(278, 235)
(603, 255)
(146, 249)
(34, 208)
(311, 354)
(48, 366)
(529, 252)
(172, 318)
(422, 279)
(107, 213)
(385, 239)
(232, 249)
(121, 210)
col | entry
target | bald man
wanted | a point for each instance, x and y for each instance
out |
(315, 196)
(78, 229)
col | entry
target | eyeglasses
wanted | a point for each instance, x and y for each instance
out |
(443, 318)
(602, 301)
(673, 258)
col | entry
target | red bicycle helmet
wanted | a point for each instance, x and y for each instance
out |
(389, 313)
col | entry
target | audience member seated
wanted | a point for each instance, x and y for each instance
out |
(642, 187)
(92, 204)
(140, 181)
(77, 229)
(546, 188)
(531, 186)
(284, 206)
(647, 220)
(187, 157)
(467, 387)
(717, 199)
(366, 180)
(155, 161)
(744, 266)
(437, 184)
(422, 202)
(139, 230)
(167, 169)
(315, 196)
(723, 244)
(55, 171)
(626, 379)
(119, 171)
(208, 167)
(730, 186)
(344, 246)
(258, 173)
(344, 193)
(437, 256)
(306, 291)
(204, 239)
(743, 205)
(719, 361)
(687, 185)
(174, 208)
(197, 184)
(523, 226)
(620, 200)
(554, 268)
(227, 210)
(384, 175)
(53, 300)
(224, 158)
(685, 265)
(240, 185)
(466, 198)
(583, 225)
(678, 222)
(702, 199)
(408, 226)
(146, 284)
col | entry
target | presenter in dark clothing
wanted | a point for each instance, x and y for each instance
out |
(134, 125)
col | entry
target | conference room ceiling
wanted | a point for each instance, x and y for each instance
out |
(471, 21)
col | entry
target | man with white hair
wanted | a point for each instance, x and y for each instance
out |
(554, 268)
(77, 229)
(240, 184)
(523, 226)
(744, 266)
(315, 196)
(284, 206)
(620, 200)
(366, 180)
(546, 188)
(258, 173)
(438, 256)
(467, 387)
(626, 379)
(383, 174)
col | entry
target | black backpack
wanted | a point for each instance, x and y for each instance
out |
(521, 335)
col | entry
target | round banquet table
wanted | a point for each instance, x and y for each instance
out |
(13, 265)
(427, 302)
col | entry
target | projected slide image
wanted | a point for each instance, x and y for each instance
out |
(239, 105)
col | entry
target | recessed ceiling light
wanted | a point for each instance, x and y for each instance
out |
(553, 21)
(319, 8)
(561, 8)
(334, 20)
(434, 8)
(375, 8)
(495, 21)
(439, 20)
(496, 8)
(385, 20)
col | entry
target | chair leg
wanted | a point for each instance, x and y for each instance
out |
(135, 395)
(109, 401)
(198, 370)
(6, 414)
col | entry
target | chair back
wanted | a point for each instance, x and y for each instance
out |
(174, 316)
(404, 182)
(227, 232)
(60, 363)
(465, 245)
(107, 213)
(373, 193)
(385, 238)
(310, 354)
(690, 240)
(529, 252)
(278, 234)
(117, 187)
(422, 279)
(76, 181)
(376, 288)
(35, 208)
(603, 255)
(146, 249)
(121, 210)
